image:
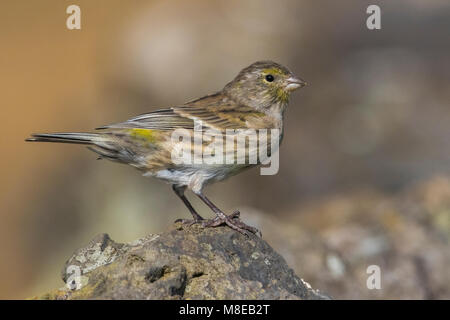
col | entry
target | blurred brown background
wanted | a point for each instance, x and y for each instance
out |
(359, 142)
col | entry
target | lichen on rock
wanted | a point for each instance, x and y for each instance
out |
(182, 263)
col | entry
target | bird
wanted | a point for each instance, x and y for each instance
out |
(255, 99)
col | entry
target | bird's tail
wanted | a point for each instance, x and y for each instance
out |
(67, 137)
(101, 144)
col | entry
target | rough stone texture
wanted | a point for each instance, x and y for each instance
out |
(183, 263)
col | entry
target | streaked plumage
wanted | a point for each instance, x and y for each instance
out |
(250, 101)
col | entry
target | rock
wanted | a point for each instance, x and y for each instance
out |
(182, 263)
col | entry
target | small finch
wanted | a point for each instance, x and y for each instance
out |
(255, 100)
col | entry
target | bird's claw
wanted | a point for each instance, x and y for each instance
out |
(189, 222)
(233, 221)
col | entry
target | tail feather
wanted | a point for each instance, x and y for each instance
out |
(98, 143)
(66, 137)
(102, 144)
(106, 153)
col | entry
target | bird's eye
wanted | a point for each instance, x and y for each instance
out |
(269, 78)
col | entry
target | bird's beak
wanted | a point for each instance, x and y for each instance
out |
(293, 83)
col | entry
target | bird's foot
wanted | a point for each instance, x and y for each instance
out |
(189, 222)
(233, 221)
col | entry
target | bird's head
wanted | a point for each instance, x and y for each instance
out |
(263, 85)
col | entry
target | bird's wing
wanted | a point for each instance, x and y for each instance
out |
(163, 119)
(213, 112)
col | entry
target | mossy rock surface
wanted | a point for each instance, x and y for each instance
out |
(182, 263)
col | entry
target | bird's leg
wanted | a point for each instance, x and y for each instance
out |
(179, 190)
(221, 218)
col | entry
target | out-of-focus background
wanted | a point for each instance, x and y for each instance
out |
(364, 164)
